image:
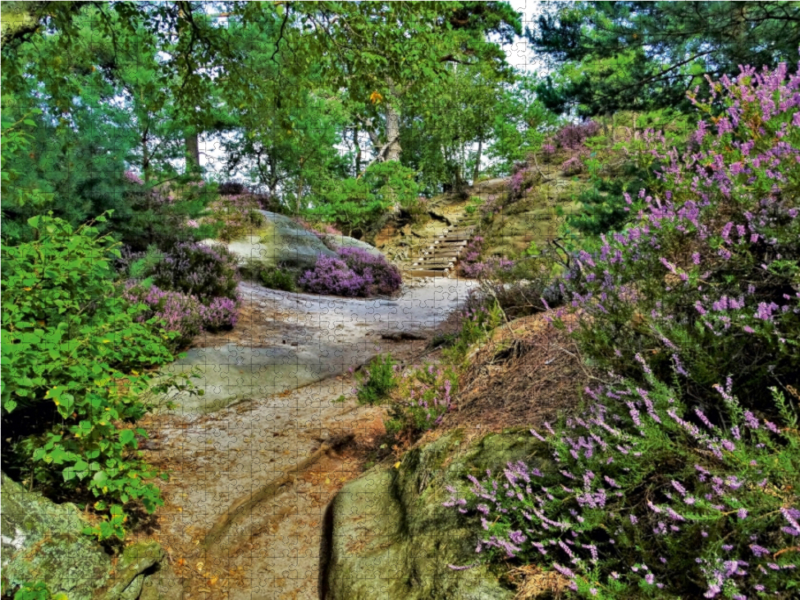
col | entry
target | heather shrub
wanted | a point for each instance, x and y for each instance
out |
(424, 395)
(181, 313)
(572, 166)
(355, 272)
(648, 498)
(221, 313)
(385, 277)
(706, 277)
(377, 380)
(573, 136)
(480, 316)
(176, 312)
(195, 269)
(331, 275)
(669, 485)
(521, 178)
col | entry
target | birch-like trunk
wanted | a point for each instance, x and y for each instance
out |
(392, 133)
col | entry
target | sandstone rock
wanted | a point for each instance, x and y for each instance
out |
(280, 241)
(43, 541)
(342, 241)
(387, 535)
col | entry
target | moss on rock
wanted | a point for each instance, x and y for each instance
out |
(391, 538)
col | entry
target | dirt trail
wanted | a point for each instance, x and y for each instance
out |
(250, 482)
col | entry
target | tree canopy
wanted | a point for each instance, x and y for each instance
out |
(645, 55)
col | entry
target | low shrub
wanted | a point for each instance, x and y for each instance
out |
(647, 498)
(276, 278)
(706, 278)
(573, 136)
(572, 166)
(74, 354)
(355, 272)
(386, 279)
(221, 313)
(195, 269)
(235, 215)
(424, 396)
(377, 380)
(668, 485)
(183, 314)
(480, 316)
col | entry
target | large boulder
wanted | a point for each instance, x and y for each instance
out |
(337, 242)
(280, 241)
(43, 541)
(387, 536)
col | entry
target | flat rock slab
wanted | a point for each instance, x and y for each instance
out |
(317, 337)
(232, 373)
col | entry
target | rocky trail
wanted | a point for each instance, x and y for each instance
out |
(255, 461)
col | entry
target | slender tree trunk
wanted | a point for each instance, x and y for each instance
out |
(477, 170)
(191, 139)
(273, 175)
(299, 188)
(145, 157)
(358, 149)
(392, 133)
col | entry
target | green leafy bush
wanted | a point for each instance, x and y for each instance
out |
(377, 381)
(357, 205)
(73, 355)
(278, 279)
(36, 591)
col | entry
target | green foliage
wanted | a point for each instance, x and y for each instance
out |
(425, 395)
(479, 318)
(36, 591)
(357, 205)
(72, 348)
(378, 380)
(643, 55)
(278, 279)
(521, 124)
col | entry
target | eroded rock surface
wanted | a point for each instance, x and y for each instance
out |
(388, 536)
(280, 241)
(43, 541)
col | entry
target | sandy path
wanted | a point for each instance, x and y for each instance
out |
(231, 456)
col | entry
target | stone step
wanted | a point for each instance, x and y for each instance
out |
(443, 253)
(426, 273)
(431, 264)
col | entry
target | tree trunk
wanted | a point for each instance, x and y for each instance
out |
(192, 142)
(273, 176)
(358, 150)
(392, 133)
(477, 170)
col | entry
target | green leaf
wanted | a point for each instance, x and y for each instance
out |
(126, 436)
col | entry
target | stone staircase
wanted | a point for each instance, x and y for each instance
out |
(436, 256)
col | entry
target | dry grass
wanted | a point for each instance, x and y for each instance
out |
(534, 582)
(527, 373)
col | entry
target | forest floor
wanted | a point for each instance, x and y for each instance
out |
(249, 483)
